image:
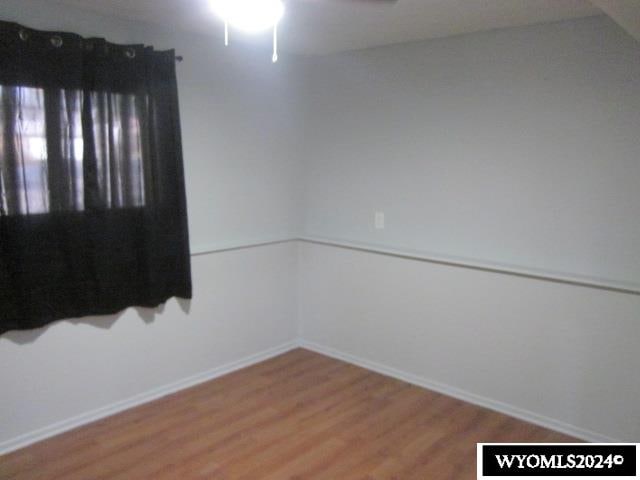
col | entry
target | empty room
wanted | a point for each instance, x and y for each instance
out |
(319, 239)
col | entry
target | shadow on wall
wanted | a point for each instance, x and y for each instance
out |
(147, 315)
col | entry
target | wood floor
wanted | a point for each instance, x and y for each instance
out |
(297, 416)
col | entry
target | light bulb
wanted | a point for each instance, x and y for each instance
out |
(250, 16)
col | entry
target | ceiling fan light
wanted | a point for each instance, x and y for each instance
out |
(249, 16)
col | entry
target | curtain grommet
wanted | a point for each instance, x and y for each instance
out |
(130, 53)
(56, 41)
(24, 35)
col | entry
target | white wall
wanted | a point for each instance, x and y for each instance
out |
(242, 306)
(237, 115)
(558, 354)
(517, 147)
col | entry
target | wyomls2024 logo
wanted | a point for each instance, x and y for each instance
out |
(558, 461)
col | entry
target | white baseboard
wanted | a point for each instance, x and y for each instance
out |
(465, 396)
(108, 410)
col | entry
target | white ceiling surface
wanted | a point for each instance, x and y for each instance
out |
(625, 12)
(327, 26)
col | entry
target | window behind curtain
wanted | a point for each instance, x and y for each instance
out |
(44, 150)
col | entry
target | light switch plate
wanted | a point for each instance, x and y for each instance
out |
(379, 220)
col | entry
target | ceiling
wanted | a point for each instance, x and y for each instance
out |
(327, 26)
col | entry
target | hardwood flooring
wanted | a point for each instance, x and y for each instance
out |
(298, 416)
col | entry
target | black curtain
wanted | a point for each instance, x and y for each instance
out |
(92, 201)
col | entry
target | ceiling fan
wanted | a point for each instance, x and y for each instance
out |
(255, 16)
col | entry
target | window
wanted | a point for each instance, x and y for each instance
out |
(34, 117)
(30, 141)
